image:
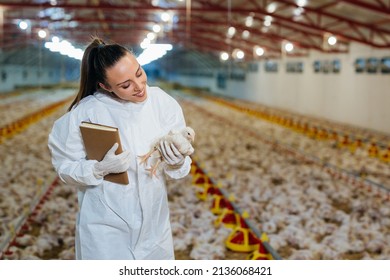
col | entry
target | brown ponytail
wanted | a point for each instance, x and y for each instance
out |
(96, 59)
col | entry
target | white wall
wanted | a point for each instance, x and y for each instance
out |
(360, 99)
(15, 77)
(197, 81)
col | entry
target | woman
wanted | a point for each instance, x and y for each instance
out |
(117, 221)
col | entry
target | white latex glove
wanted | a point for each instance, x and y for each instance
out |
(112, 163)
(171, 154)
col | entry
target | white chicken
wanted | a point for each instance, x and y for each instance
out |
(181, 139)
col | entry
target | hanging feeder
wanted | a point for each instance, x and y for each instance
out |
(228, 218)
(220, 203)
(261, 252)
(242, 239)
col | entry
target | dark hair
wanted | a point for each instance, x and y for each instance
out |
(97, 57)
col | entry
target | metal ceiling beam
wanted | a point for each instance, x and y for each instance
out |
(196, 21)
(348, 21)
(210, 8)
(276, 37)
(317, 28)
(381, 8)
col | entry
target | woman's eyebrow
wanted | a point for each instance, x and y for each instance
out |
(123, 82)
(139, 66)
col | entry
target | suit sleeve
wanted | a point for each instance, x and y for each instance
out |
(68, 153)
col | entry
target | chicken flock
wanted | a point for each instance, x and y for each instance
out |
(306, 212)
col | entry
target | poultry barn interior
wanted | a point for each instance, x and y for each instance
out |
(289, 100)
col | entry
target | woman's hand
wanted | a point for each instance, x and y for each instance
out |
(112, 163)
(171, 155)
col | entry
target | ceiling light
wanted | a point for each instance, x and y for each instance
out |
(249, 21)
(332, 40)
(240, 54)
(165, 17)
(23, 25)
(231, 31)
(151, 36)
(55, 39)
(42, 33)
(289, 47)
(156, 28)
(224, 56)
(267, 20)
(145, 43)
(259, 51)
(271, 7)
(301, 3)
(298, 11)
(246, 34)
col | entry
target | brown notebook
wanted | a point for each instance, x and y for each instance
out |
(98, 139)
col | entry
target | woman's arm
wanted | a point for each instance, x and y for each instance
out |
(68, 153)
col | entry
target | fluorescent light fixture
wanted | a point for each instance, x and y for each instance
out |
(65, 48)
(153, 52)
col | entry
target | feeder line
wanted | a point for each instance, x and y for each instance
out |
(296, 152)
(257, 232)
(23, 218)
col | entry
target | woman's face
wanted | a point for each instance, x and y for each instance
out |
(127, 79)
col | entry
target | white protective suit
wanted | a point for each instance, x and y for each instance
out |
(117, 221)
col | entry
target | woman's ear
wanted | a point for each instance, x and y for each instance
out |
(104, 87)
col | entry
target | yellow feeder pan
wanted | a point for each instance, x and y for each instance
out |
(228, 218)
(220, 203)
(345, 142)
(207, 189)
(259, 254)
(200, 179)
(242, 239)
(373, 151)
(386, 156)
